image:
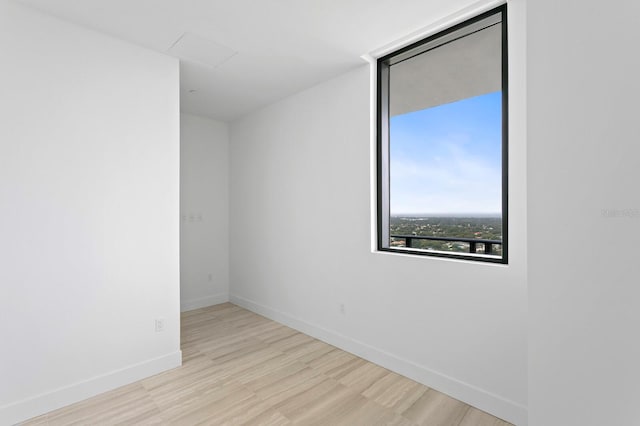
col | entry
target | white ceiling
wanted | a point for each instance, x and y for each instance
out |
(239, 55)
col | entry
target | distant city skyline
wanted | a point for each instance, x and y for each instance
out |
(447, 160)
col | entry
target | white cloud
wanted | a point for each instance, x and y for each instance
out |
(457, 183)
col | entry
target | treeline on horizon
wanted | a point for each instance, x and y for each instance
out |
(475, 227)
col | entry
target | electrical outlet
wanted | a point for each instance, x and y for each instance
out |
(342, 309)
(159, 325)
(210, 276)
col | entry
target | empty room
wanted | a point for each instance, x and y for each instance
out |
(318, 212)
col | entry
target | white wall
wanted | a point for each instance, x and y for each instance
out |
(300, 247)
(89, 213)
(583, 159)
(204, 206)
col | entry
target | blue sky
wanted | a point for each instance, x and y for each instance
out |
(447, 159)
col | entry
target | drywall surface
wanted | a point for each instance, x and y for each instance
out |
(89, 213)
(204, 212)
(584, 216)
(301, 252)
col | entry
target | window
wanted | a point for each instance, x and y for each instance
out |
(442, 143)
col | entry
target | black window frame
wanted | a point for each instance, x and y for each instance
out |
(382, 141)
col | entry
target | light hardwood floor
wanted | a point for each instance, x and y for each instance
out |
(240, 368)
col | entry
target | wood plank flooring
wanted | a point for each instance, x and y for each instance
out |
(242, 369)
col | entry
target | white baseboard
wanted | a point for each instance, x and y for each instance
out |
(494, 404)
(203, 302)
(38, 405)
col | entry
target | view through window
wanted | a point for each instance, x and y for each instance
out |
(442, 143)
